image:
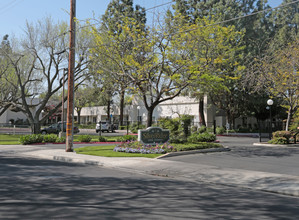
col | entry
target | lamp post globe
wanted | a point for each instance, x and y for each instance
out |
(270, 102)
(138, 108)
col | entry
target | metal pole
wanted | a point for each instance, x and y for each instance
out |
(270, 134)
(63, 81)
(127, 123)
(71, 69)
(137, 118)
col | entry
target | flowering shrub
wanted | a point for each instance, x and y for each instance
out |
(137, 147)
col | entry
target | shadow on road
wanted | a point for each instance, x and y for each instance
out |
(41, 189)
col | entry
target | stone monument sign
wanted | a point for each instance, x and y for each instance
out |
(153, 135)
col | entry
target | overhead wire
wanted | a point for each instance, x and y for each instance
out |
(193, 29)
(9, 5)
(236, 18)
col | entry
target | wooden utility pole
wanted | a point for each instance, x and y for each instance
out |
(71, 70)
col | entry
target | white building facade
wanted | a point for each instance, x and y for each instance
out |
(137, 112)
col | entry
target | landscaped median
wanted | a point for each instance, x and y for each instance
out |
(128, 146)
(136, 149)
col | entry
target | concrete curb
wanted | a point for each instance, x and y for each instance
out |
(180, 153)
(275, 145)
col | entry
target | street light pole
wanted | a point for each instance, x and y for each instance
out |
(138, 107)
(71, 70)
(63, 82)
(270, 103)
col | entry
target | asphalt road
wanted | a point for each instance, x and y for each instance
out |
(43, 189)
(243, 155)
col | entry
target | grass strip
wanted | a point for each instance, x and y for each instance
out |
(107, 151)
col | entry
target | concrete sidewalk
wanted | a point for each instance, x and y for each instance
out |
(270, 182)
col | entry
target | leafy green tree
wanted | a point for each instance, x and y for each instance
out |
(116, 14)
(282, 77)
(84, 96)
(215, 62)
(9, 89)
(258, 31)
(286, 20)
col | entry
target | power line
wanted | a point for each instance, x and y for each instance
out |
(193, 29)
(9, 5)
(233, 19)
(122, 16)
(157, 6)
(255, 13)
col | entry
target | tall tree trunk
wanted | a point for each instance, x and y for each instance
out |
(228, 119)
(290, 114)
(108, 111)
(35, 126)
(122, 103)
(202, 120)
(79, 115)
(150, 111)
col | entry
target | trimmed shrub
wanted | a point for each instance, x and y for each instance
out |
(278, 140)
(282, 134)
(170, 124)
(50, 138)
(201, 137)
(84, 138)
(31, 139)
(102, 139)
(127, 138)
(134, 127)
(202, 129)
(60, 140)
(220, 130)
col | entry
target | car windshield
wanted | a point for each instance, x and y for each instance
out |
(53, 126)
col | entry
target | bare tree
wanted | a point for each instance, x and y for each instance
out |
(38, 61)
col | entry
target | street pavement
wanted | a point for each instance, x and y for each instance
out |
(258, 180)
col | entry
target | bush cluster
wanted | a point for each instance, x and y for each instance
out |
(282, 137)
(220, 130)
(201, 137)
(38, 138)
(84, 138)
(134, 127)
(102, 139)
(127, 138)
(278, 140)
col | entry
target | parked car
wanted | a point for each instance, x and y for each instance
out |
(56, 128)
(104, 126)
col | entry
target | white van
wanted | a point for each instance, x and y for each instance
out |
(104, 126)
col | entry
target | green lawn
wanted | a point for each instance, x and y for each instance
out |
(95, 138)
(9, 139)
(107, 151)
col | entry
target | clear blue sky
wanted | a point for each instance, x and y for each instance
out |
(14, 13)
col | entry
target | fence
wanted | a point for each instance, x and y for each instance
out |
(133, 126)
(14, 129)
(266, 128)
